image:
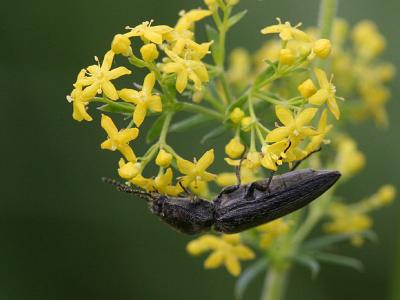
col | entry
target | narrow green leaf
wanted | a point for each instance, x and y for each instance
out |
(213, 134)
(188, 123)
(326, 241)
(213, 35)
(310, 263)
(248, 276)
(236, 18)
(117, 107)
(341, 260)
(155, 129)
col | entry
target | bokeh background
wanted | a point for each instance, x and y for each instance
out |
(65, 235)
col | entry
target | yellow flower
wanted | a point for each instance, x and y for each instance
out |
(149, 52)
(295, 127)
(307, 88)
(326, 93)
(187, 19)
(287, 32)
(237, 115)
(146, 184)
(323, 129)
(128, 170)
(286, 57)
(162, 183)
(246, 123)
(154, 34)
(234, 148)
(239, 67)
(121, 44)
(196, 171)
(271, 231)
(101, 76)
(349, 159)
(322, 48)
(143, 100)
(348, 221)
(79, 101)
(185, 69)
(163, 158)
(274, 154)
(367, 40)
(227, 250)
(200, 188)
(119, 140)
(252, 161)
(182, 43)
(211, 4)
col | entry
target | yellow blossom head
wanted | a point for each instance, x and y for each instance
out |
(234, 148)
(121, 44)
(307, 88)
(149, 52)
(286, 57)
(322, 48)
(237, 115)
(163, 158)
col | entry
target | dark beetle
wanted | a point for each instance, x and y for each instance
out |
(241, 207)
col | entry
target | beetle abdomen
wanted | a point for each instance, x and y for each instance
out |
(184, 215)
(288, 192)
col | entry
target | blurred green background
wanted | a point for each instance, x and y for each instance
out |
(65, 235)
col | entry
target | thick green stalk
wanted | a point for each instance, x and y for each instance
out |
(275, 282)
(327, 15)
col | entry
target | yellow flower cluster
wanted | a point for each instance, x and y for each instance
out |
(360, 69)
(227, 250)
(353, 219)
(181, 64)
(295, 138)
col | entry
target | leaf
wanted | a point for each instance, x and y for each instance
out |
(117, 107)
(248, 276)
(310, 263)
(341, 260)
(325, 241)
(189, 123)
(213, 134)
(155, 129)
(213, 35)
(236, 18)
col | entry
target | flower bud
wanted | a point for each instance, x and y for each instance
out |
(128, 170)
(237, 115)
(163, 158)
(246, 123)
(121, 44)
(322, 48)
(234, 148)
(386, 194)
(307, 88)
(149, 52)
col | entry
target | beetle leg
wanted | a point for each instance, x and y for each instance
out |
(193, 198)
(303, 159)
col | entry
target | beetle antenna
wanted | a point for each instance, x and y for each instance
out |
(121, 187)
(303, 159)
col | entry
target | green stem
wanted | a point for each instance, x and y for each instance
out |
(163, 135)
(275, 282)
(327, 15)
(190, 107)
